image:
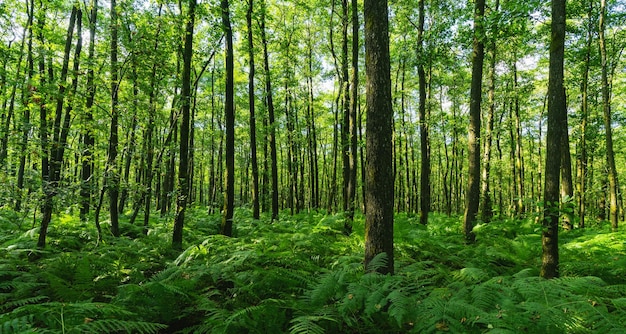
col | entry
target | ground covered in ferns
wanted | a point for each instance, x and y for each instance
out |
(303, 275)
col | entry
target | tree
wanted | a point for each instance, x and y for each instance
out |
(229, 116)
(379, 194)
(183, 166)
(60, 127)
(112, 177)
(251, 99)
(557, 120)
(270, 114)
(423, 121)
(486, 201)
(473, 137)
(606, 111)
(88, 131)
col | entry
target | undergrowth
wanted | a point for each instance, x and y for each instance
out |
(301, 274)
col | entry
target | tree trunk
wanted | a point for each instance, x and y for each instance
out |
(379, 131)
(28, 98)
(112, 179)
(473, 137)
(486, 202)
(345, 124)
(182, 193)
(606, 109)
(253, 148)
(60, 128)
(581, 170)
(270, 110)
(557, 116)
(425, 199)
(86, 189)
(229, 116)
(354, 103)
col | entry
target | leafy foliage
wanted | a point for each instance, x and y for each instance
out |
(303, 275)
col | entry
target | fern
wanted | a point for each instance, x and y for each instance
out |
(114, 325)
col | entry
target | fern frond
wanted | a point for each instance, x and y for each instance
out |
(378, 262)
(10, 305)
(114, 325)
(309, 324)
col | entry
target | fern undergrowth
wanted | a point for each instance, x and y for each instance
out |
(301, 274)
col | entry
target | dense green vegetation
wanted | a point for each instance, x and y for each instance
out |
(301, 274)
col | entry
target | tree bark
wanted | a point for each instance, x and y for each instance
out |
(112, 179)
(229, 116)
(379, 130)
(581, 170)
(473, 137)
(486, 202)
(28, 97)
(182, 193)
(270, 110)
(425, 198)
(60, 128)
(253, 148)
(557, 116)
(606, 110)
(86, 189)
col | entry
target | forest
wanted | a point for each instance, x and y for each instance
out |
(320, 166)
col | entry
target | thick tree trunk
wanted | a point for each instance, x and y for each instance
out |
(229, 116)
(379, 131)
(473, 137)
(557, 116)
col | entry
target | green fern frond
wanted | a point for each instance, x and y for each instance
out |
(10, 305)
(9, 325)
(470, 275)
(114, 325)
(378, 262)
(309, 324)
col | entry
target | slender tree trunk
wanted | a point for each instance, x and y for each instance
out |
(582, 147)
(354, 102)
(557, 115)
(182, 193)
(345, 123)
(425, 198)
(28, 97)
(473, 138)
(253, 148)
(270, 110)
(86, 189)
(486, 202)
(112, 179)
(379, 132)
(229, 112)
(60, 128)
(606, 108)
(519, 157)
(567, 187)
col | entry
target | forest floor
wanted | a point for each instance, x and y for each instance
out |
(301, 274)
